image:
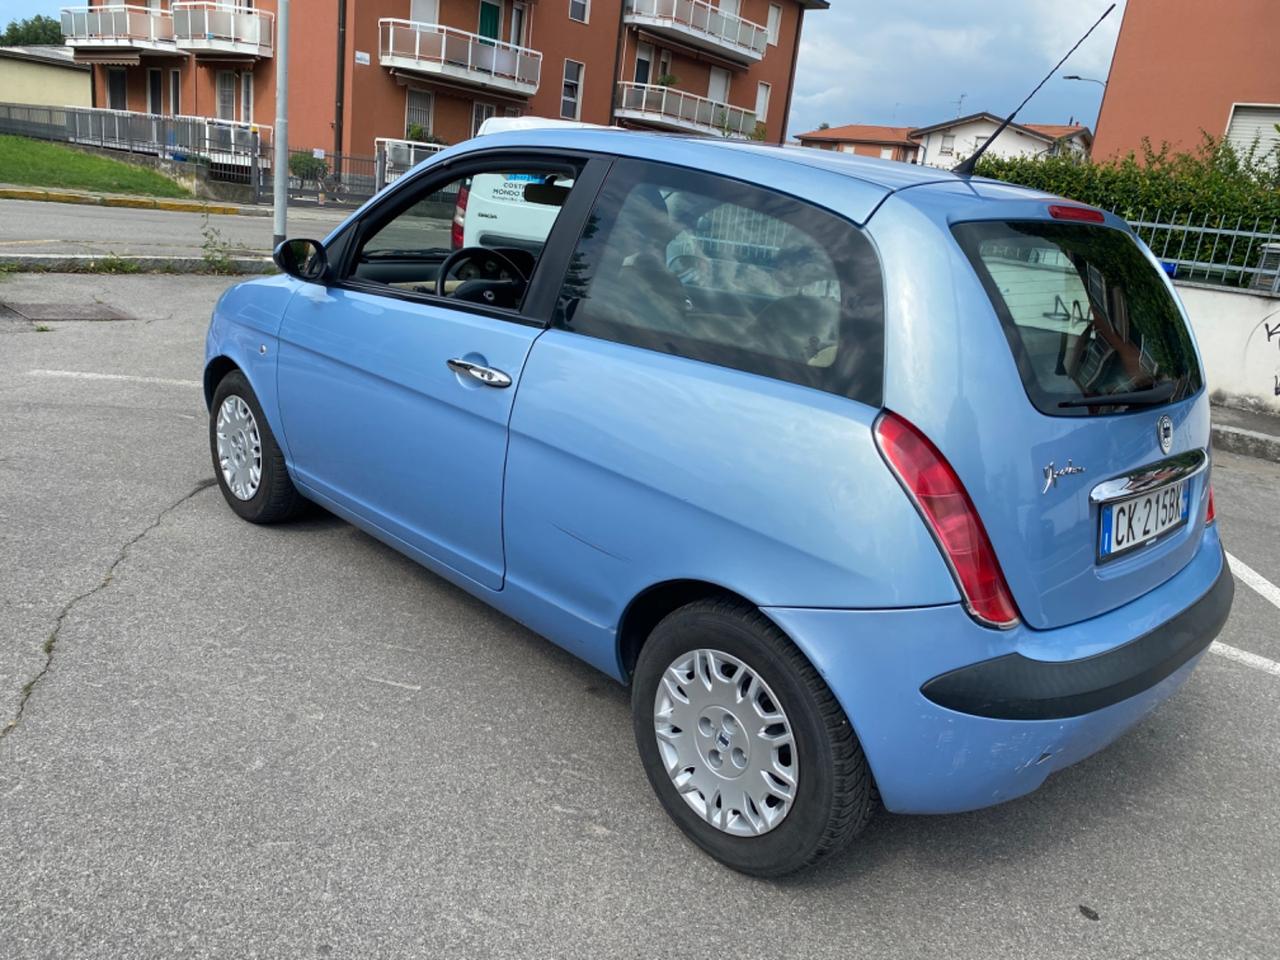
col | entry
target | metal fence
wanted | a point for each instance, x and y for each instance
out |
(230, 151)
(1232, 252)
(324, 178)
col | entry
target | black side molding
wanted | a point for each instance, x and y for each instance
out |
(1014, 687)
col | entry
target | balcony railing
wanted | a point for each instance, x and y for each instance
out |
(205, 26)
(700, 23)
(431, 48)
(140, 28)
(400, 156)
(676, 110)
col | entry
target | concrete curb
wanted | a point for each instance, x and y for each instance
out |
(111, 264)
(137, 203)
(1250, 443)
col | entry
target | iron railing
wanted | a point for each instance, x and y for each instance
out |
(668, 106)
(398, 157)
(119, 26)
(205, 25)
(701, 19)
(434, 48)
(323, 178)
(1228, 251)
(230, 150)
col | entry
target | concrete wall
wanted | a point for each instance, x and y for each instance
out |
(1179, 65)
(1239, 338)
(25, 81)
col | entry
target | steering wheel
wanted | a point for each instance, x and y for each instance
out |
(490, 270)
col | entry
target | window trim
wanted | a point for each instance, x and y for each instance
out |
(581, 82)
(633, 169)
(548, 276)
(586, 11)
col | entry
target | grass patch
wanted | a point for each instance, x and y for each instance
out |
(40, 164)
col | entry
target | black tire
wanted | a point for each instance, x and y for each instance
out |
(835, 795)
(276, 498)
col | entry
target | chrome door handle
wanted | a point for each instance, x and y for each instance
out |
(486, 375)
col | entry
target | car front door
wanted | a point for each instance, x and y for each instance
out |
(395, 399)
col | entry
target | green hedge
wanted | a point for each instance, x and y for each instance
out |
(1214, 181)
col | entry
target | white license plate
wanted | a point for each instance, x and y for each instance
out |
(1128, 524)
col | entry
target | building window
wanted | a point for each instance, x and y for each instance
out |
(886, 153)
(775, 22)
(664, 64)
(1253, 129)
(226, 95)
(516, 36)
(948, 147)
(417, 114)
(424, 11)
(579, 10)
(644, 63)
(117, 89)
(490, 26)
(155, 90)
(175, 92)
(480, 112)
(763, 90)
(571, 96)
(246, 97)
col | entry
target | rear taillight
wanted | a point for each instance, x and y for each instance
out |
(955, 524)
(1210, 514)
(457, 234)
(1063, 211)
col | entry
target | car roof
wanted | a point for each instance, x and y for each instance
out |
(851, 185)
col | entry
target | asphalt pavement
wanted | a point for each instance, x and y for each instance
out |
(31, 227)
(294, 742)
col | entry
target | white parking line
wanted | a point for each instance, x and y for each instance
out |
(83, 375)
(1245, 657)
(1269, 592)
(1252, 578)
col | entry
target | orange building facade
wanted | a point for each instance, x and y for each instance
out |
(1183, 67)
(434, 70)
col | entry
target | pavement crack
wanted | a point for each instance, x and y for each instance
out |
(51, 641)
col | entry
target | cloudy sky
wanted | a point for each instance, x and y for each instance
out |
(907, 62)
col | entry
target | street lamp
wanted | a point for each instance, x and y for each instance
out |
(1074, 76)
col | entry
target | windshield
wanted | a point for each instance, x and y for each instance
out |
(1091, 323)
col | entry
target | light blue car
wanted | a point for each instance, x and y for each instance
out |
(873, 482)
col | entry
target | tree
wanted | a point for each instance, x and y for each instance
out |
(824, 125)
(33, 31)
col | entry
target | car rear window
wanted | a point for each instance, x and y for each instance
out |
(1086, 314)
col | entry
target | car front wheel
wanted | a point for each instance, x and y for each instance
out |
(247, 461)
(745, 746)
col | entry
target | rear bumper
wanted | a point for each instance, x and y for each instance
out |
(1014, 687)
(954, 716)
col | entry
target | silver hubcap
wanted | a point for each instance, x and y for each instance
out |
(239, 448)
(725, 742)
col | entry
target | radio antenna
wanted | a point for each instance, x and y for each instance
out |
(966, 166)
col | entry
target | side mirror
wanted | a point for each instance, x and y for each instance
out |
(304, 259)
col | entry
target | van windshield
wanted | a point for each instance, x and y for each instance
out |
(1086, 314)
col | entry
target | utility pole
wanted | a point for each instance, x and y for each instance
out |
(280, 160)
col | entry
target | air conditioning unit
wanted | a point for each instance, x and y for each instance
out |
(1269, 264)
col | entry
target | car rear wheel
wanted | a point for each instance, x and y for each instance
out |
(745, 746)
(246, 458)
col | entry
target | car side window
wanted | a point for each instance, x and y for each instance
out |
(485, 230)
(721, 271)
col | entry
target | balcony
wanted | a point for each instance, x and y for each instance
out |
(697, 23)
(212, 30)
(123, 30)
(437, 52)
(672, 109)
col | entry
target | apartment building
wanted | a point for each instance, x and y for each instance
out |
(436, 69)
(1183, 68)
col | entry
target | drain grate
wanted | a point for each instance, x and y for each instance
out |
(61, 312)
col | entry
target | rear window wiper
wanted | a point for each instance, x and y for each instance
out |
(1134, 398)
